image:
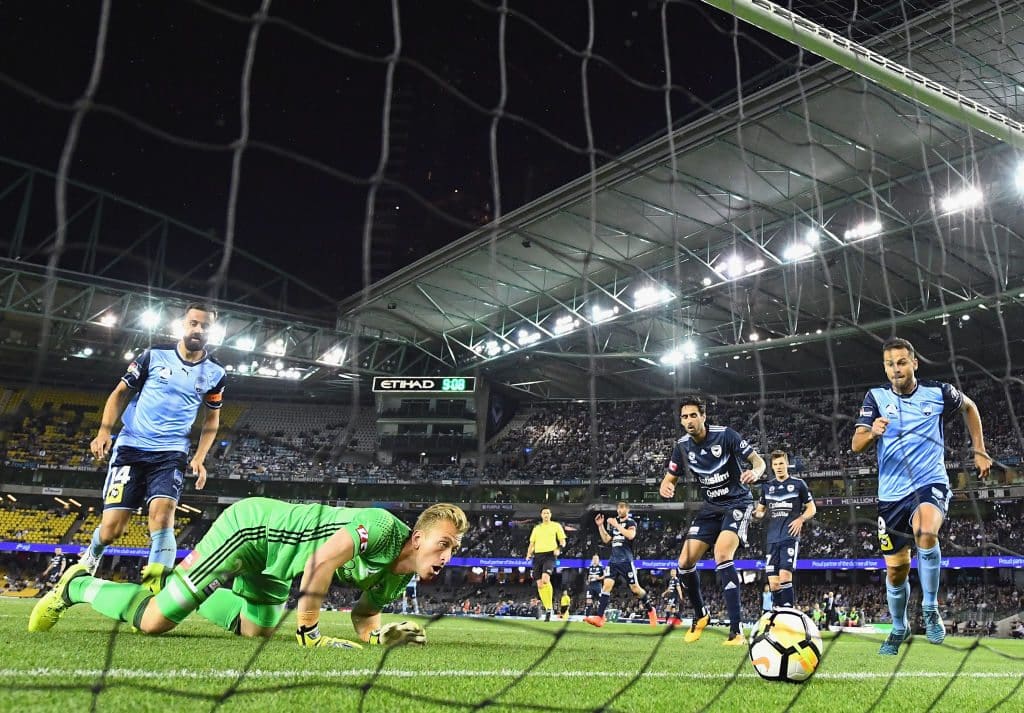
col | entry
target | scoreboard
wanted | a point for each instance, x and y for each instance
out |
(424, 385)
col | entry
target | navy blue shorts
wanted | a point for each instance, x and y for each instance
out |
(712, 520)
(624, 570)
(781, 555)
(410, 592)
(135, 477)
(894, 529)
(594, 589)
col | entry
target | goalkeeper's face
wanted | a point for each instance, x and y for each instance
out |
(435, 548)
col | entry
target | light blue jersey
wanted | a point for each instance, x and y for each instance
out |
(911, 452)
(170, 392)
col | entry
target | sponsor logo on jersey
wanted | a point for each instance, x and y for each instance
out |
(673, 466)
(692, 456)
(866, 412)
(789, 488)
(927, 410)
(364, 538)
(190, 561)
(890, 409)
(163, 373)
(133, 370)
(716, 451)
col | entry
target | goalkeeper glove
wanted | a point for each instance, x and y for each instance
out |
(309, 637)
(406, 632)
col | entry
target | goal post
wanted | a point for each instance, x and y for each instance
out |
(881, 70)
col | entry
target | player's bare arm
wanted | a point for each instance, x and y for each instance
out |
(863, 436)
(668, 485)
(605, 537)
(973, 418)
(316, 580)
(112, 410)
(628, 532)
(756, 470)
(211, 423)
(797, 526)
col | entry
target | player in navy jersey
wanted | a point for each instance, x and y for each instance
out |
(620, 532)
(788, 503)
(904, 419)
(673, 596)
(54, 570)
(712, 454)
(157, 400)
(595, 580)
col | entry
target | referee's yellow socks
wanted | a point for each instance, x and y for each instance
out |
(547, 593)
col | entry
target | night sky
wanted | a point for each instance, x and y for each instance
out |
(177, 66)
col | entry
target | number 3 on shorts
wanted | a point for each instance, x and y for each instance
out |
(115, 489)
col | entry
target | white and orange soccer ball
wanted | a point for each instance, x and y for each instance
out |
(785, 645)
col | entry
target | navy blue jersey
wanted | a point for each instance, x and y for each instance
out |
(784, 501)
(673, 586)
(596, 573)
(622, 549)
(170, 392)
(912, 451)
(715, 463)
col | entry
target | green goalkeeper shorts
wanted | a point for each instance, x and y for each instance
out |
(228, 553)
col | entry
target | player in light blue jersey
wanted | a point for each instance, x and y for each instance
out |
(157, 400)
(905, 421)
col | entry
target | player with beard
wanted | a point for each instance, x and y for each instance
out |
(157, 400)
(713, 455)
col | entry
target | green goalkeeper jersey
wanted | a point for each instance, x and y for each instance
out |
(295, 532)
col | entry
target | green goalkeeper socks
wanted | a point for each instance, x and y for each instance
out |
(223, 608)
(121, 601)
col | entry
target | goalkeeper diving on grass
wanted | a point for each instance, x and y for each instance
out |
(240, 573)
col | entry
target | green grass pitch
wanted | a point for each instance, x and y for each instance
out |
(84, 664)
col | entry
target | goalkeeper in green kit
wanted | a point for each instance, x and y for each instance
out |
(239, 574)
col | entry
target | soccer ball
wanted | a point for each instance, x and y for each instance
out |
(785, 646)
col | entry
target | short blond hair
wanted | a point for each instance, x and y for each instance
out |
(442, 512)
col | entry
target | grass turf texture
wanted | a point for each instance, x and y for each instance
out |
(503, 665)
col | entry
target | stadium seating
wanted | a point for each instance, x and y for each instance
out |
(51, 428)
(27, 525)
(136, 534)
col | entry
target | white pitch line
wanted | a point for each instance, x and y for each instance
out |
(170, 674)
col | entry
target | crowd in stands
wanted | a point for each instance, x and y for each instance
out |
(826, 536)
(559, 440)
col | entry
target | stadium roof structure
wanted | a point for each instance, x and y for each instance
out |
(772, 243)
